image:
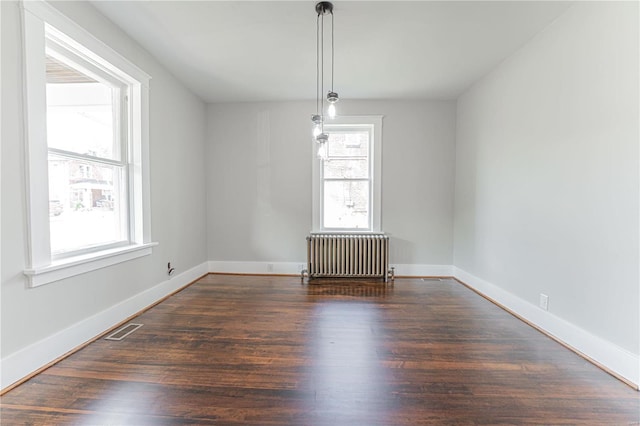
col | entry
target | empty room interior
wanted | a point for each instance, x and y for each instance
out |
(345, 213)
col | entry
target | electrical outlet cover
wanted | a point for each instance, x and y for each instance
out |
(544, 301)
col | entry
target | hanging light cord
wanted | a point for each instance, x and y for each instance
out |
(322, 70)
(318, 92)
(332, 51)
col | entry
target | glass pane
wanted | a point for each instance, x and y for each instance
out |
(346, 204)
(349, 143)
(87, 204)
(80, 112)
(353, 168)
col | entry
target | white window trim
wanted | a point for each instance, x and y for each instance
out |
(376, 181)
(41, 269)
(69, 267)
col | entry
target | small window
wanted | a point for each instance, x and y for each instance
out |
(87, 138)
(347, 181)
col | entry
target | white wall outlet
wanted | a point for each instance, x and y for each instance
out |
(269, 267)
(544, 301)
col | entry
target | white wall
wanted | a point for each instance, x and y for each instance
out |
(30, 317)
(259, 158)
(546, 197)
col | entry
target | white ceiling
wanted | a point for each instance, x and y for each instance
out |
(265, 50)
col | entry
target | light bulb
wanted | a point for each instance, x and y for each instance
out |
(332, 98)
(322, 151)
(331, 111)
(316, 130)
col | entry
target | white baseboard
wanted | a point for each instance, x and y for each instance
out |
(618, 360)
(24, 362)
(233, 267)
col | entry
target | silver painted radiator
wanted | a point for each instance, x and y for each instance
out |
(348, 255)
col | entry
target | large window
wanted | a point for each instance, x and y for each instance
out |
(87, 135)
(87, 141)
(347, 180)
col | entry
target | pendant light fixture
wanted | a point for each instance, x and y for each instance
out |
(323, 8)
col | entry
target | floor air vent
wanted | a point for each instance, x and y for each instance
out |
(123, 332)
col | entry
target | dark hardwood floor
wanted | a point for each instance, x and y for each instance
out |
(249, 350)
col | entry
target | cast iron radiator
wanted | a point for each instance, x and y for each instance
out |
(348, 255)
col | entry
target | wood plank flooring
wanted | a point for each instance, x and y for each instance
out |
(249, 350)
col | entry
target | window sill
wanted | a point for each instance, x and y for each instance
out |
(70, 267)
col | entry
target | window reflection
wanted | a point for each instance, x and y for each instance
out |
(348, 378)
